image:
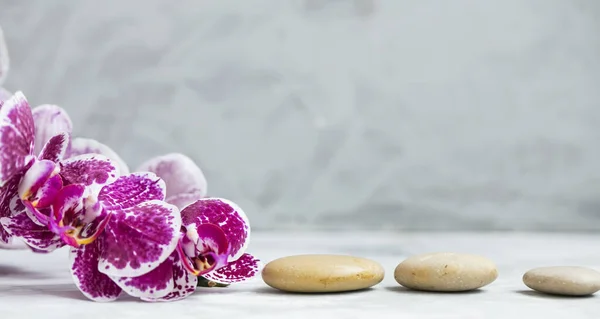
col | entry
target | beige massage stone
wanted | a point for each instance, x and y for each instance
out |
(563, 280)
(322, 273)
(446, 272)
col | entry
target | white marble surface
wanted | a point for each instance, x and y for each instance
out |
(309, 113)
(41, 287)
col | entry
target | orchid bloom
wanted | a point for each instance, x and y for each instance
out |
(185, 182)
(17, 162)
(116, 225)
(184, 179)
(216, 233)
(50, 120)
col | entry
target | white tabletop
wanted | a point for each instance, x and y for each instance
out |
(40, 286)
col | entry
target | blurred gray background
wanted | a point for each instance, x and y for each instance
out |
(338, 114)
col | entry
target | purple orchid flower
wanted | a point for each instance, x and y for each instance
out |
(184, 179)
(185, 182)
(17, 144)
(216, 233)
(142, 233)
(51, 120)
(115, 225)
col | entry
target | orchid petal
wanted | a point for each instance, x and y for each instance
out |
(41, 182)
(50, 120)
(68, 204)
(131, 190)
(224, 213)
(140, 238)
(56, 147)
(5, 237)
(37, 217)
(10, 204)
(92, 283)
(34, 235)
(35, 177)
(16, 136)
(4, 59)
(91, 170)
(184, 282)
(82, 146)
(37, 251)
(155, 284)
(240, 270)
(4, 95)
(180, 173)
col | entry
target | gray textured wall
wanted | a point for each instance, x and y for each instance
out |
(338, 114)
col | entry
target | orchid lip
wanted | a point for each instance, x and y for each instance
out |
(205, 262)
(71, 235)
(201, 264)
(185, 260)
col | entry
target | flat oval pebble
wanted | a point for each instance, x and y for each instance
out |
(445, 272)
(322, 273)
(563, 280)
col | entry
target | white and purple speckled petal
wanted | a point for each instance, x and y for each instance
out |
(50, 120)
(225, 214)
(56, 147)
(181, 175)
(92, 170)
(246, 267)
(34, 235)
(155, 284)
(4, 95)
(138, 239)
(5, 237)
(131, 190)
(16, 136)
(35, 176)
(10, 204)
(41, 183)
(81, 146)
(92, 283)
(4, 58)
(184, 283)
